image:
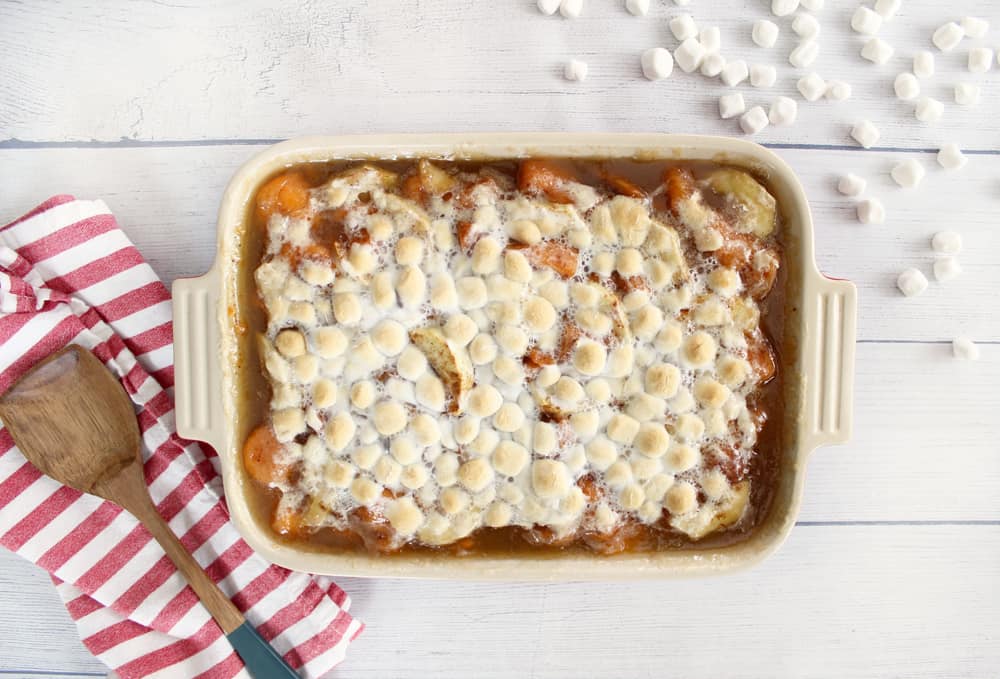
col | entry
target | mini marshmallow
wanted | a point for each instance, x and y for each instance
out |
(950, 157)
(548, 7)
(804, 54)
(946, 243)
(877, 51)
(813, 5)
(731, 105)
(575, 70)
(965, 349)
(712, 65)
(907, 86)
(887, 8)
(966, 94)
(657, 63)
(929, 110)
(782, 8)
(805, 26)
(754, 120)
(735, 72)
(637, 8)
(980, 59)
(784, 111)
(838, 90)
(871, 211)
(812, 87)
(689, 55)
(865, 133)
(762, 75)
(911, 282)
(908, 173)
(711, 39)
(947, 37)
(765, 33)
(865, 21)
(683, 27)
(851, 185)
(947, 269)
(923, 64)
(975, 27)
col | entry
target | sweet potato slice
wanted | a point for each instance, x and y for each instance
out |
(286, 194)
(679, 185)
(561, 258)
(542, 176)
(260, 457)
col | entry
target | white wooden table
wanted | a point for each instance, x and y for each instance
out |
(894, 568)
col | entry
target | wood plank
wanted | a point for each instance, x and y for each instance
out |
(166, 200)
(153, 70)
(836, 601)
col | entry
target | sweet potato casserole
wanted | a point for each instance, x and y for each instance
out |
(507, 355)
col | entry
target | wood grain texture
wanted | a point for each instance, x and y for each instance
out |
(836, 601)
(166, 200)
(892, 571)
(157, 70)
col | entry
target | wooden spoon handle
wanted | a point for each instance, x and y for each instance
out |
(260, 658)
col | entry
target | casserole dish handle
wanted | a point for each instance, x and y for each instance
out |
(197, 359)
(829, 356)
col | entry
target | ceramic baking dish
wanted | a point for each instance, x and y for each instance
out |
(817, 355)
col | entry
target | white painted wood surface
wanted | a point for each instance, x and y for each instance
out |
(894, 566)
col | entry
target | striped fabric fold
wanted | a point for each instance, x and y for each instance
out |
(68, 274)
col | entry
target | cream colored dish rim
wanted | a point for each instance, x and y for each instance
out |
(206, 351)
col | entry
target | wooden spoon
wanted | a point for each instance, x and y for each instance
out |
(73, 420)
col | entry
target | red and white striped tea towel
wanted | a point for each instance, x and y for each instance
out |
(69, 275)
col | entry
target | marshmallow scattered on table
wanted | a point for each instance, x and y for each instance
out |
(575, 70)
(975, 27)
(866, 21)
(548, 7)
(907, 86)
(813, 5)
(965, 349)
(838, 90)
(950, 157)
(571, 9)
(734, 73)
(637, 8)
(754, 120)
(657, 63)
(877, 51)
(783, 111)
(731, 105)
(871, 211)
(929, 110)
(805, 26)
(713, 64)
(851, 185)
(689, 54)
(947, 269)
(887, 8)
(711, 39)
(763, 75)
(782, 8)
(683, 27)
(947, 36)
(804, 54)
(946, 243)
(966, 94)
(911, 282)
(923, 64)
(908, 173)
(865, 133)
(765, 33)
(811, 87)
(980, 59)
